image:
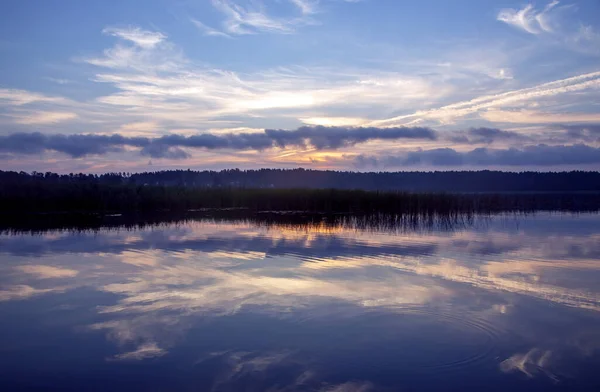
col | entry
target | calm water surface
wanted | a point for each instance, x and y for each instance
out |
(505, 304)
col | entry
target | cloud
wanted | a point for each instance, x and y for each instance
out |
(58, 81)
(335, 137)
(306, 6)
(142, 38)
(73, 145)
(147, 78)
(486, 136)
(207, 30)
(14, 97)
(448, 113)
(528, 18)
(19, 292)
(251, 19)
(169, 146)
(243, 17)
(44, 117)
(550, 24)
(587, 132)
(47, 272)
(535, 117)
(161, 82)
(334, 121)
(138, 50)
(533, 155)
(164, 151)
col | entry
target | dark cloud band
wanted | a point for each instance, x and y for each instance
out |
(533, 155)
(169, 146)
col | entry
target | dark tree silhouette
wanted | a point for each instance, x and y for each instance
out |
(299, 189)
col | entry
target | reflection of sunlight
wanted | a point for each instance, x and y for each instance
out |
(501, 308)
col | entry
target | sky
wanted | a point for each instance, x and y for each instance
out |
(364, 85)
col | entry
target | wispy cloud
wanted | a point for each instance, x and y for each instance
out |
(19, 292)
(586, 39)
(251, 18)
(138, 50)
(47, 271)
(449, 113)
(161, 80)
(142, 38)
(529, 18)
(552, 24)
(527, 116)
(44, 117)
(207, 30)
(306, 6)
(58, 81)
(16, 97)
(242, 17)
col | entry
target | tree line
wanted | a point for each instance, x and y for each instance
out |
(123, 192)
(436, 181)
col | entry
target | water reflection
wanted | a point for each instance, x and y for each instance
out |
(504, 302)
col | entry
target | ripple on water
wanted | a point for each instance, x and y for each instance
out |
(440, 341)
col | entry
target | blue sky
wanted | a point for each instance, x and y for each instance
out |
(341, 84)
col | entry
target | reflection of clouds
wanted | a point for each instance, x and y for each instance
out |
(533, 362)
(479, 276)
(194, 290)
(212, 237)
(46, 271)
(259, 371)
(163, 277)
(140, 259)
(22, 291)
(352, 386)
(192, 287)
(241, 365)
(145, 351)
(534, 267)
(208, 289)
(236, 255)
(246, 362)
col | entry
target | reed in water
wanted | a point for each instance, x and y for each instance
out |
(104, 198)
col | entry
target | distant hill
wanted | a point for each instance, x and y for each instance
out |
(443, 181)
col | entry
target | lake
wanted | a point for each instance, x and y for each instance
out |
(509, 302)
